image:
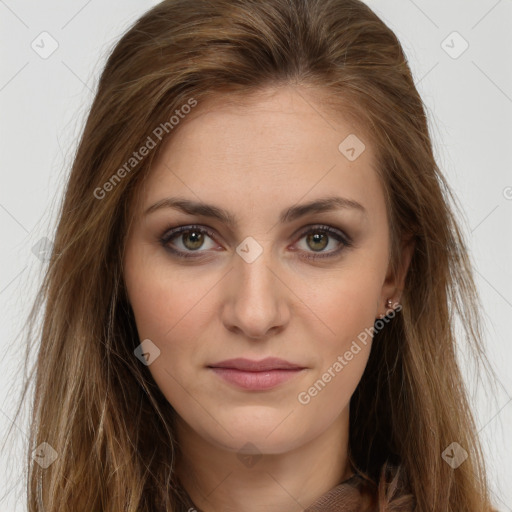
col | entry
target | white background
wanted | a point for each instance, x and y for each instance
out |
(469, 101)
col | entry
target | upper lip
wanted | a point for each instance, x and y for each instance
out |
(270, 363)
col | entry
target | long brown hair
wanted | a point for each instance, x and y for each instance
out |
(96, 405)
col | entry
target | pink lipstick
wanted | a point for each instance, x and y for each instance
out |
(256, 375)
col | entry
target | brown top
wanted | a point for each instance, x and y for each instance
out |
(349, 496)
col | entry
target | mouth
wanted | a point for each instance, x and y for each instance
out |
(256, 375)
(248, 365)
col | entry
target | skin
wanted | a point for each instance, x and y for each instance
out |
(255, 160)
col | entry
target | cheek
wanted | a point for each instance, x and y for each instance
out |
(329, 391)
(164, 300)
(345, 304)
(343, 342)
(171, 311)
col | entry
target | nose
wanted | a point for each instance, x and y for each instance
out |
(256, 302)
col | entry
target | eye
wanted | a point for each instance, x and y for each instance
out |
(192, 239)
(318, 238)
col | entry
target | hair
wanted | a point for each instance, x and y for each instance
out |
(94, 402)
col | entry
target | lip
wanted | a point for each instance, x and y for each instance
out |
(256, 375)
(248, 365)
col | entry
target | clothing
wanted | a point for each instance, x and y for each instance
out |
(349, 496)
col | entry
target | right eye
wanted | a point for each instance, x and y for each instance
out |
(192, 239)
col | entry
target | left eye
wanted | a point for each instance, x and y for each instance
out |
(317, 238)
(193, 237)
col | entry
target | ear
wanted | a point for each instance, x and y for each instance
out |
(393, 285)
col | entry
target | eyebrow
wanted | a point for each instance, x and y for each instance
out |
(325, 204)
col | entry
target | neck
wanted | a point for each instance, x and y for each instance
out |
(219, 479)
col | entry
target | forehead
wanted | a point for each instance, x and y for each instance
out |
(264, 149)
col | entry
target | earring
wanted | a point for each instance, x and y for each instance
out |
(389, 303)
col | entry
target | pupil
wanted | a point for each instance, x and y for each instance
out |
(317, 239)
(195, 243)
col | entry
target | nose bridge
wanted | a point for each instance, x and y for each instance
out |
(256, 277)
(258, 300)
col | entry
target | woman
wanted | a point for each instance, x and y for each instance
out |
(250, 300)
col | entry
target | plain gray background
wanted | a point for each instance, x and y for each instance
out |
(468, 94)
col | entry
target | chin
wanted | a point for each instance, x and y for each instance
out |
(253, 434)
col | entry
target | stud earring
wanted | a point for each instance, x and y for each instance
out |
(389, 303)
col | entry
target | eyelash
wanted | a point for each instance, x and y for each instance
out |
(334, 233)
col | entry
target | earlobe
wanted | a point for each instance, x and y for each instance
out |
(390, 306)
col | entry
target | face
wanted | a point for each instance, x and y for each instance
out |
(301, 286)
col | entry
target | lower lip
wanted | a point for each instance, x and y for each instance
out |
(256, 381)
